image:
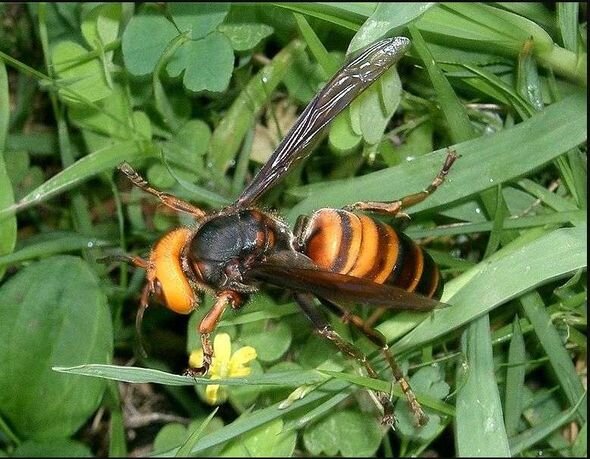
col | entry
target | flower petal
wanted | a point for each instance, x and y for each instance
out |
(239, 360)
(211, 393)
(243, 355)
(222, 347)
(195, 360)
(240, 372)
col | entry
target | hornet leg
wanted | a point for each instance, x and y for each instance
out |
(305, 301)
(207, 326)
(394, 208)
(167, 199)
(379, 340)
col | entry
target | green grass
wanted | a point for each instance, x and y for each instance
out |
(194, 97)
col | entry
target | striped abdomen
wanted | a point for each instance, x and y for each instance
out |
(356, 245)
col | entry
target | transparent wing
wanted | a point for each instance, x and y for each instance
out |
(353, 78)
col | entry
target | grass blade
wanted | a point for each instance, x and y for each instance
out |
(513, 270)
(187, 446)
(558, 355)
(528, 438)
(8, 226)
(99, 161)
(150, 375)
(515, 372)
(485, 162)
(227, 137)
(479, 424)
(567, 19)
(452, 109)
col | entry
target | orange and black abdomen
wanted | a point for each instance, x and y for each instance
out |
(356, 245)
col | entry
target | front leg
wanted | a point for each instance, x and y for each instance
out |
(234, 278)
(224, 299)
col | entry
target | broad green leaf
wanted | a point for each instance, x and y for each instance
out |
(230, 132)
(390, 90)
(170, 436)
(81, 75)
(61, 18)
(56, 447)
(18, 166)
(198, 19)
(374, 115)
(100, 26)
(426, 381)
(113, 117)
(479, 424)
(186, 150)
(388, 19)
(342, 138)
(348, 432)
(145, 38)
(244, 37)
(207, 63)
(7, 226)
(68, 324)
(269, 440)
(271, 339)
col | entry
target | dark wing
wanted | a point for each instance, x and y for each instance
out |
(349, 82)
(297, 272)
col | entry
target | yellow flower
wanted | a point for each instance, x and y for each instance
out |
(223, 365)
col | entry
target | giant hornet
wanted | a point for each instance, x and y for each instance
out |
(339, 256)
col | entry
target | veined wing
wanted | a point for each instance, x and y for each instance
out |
(352, 79)
(297, 272)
